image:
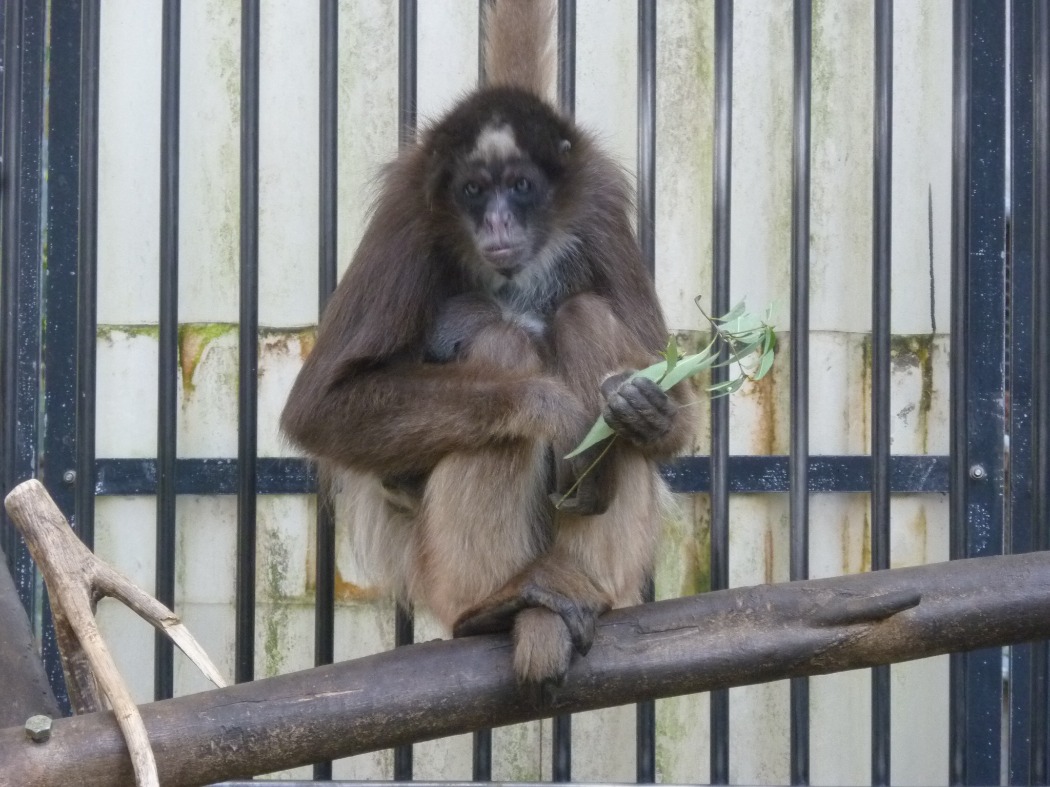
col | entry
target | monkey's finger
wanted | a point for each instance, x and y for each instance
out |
(612, 383)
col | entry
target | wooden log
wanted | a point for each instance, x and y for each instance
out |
(715, 640)
(26, 690)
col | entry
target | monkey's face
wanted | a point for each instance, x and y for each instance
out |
(503, 200)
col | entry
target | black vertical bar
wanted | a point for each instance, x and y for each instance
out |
(328, 106)
(20, 282)
(567, 56)
(957, 498)
(798, 468)
(561, 726)
(407, 26)
(647, 131)
(481, 767)
(1039, 758)
(87, 271)
(168, 351)
(882, 168)
(60, 328)
(248, 363)
(977, 362)
(561, 748)
(645, 763)
(482, 6)
(1020, 340)
(720, 273)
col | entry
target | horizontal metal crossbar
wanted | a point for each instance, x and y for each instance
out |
(691, 474)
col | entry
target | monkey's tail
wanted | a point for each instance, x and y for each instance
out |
(518, 44)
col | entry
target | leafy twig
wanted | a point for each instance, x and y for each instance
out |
(738, 332)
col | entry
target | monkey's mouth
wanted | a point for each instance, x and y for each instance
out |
(505, 260)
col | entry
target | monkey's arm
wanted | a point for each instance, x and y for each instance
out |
(404, 417)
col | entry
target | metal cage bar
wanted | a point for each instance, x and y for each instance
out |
(645, 747)
(407, 59)
(1039, 729)
(87, 273)
(799, 458)
(720, 278)
(327, 272)
(168, 349)
(882, 168)
(248, 347)
(977, 360)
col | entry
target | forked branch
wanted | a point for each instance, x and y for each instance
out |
(76, 580)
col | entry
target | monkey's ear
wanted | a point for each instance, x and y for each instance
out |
(564, 147)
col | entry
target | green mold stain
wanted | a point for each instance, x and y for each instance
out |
(916, 351)
(109, 332)
(194, 339)
(276, 620)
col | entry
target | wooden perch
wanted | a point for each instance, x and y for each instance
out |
(76, 580)
(26, 690)
(715, 640)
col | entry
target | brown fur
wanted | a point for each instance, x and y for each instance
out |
(463, 523)
(517, 45)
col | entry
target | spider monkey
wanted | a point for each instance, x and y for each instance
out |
(497, 304)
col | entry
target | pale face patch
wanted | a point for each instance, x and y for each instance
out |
(495, 144)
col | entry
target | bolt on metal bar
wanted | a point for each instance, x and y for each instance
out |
(645, 762)
(882, 169)
(799, 459)
(327, 259)
(248, 360)
(407, 64)
(720, 293)
(168, 344)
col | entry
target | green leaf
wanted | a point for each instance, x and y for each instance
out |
(764, 365)
(655, 372)
(600, 431)
(732, 314)
(726, 388)
(671, 353)
(688, 366)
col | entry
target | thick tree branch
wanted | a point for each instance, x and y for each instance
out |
(26, 689)
(716, 640)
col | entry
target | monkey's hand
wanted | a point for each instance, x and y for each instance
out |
(583, 484)
(637, 409)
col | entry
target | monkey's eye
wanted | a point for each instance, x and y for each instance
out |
(471, 188)
(523, 185)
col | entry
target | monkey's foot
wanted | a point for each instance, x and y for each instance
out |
(542, 653)
(498, 613)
